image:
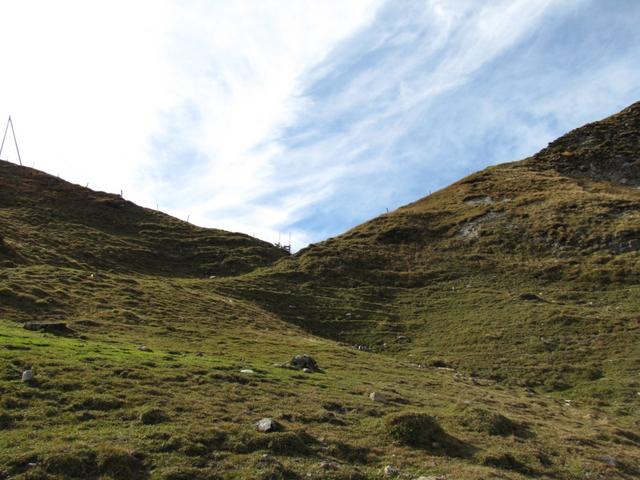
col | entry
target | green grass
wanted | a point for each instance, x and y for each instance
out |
(90, 392)
(499, 316)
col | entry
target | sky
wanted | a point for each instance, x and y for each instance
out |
(302, 117)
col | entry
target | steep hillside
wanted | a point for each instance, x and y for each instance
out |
(527, 272)
(496, 325)
(47, 221)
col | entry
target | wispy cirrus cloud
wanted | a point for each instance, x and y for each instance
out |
(305, 117)
(430, 93)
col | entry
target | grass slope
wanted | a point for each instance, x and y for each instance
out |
(499, 317)
(45, 220)
(525, 272)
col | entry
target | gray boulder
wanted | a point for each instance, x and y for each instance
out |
(378, 397)
(303, 361)
(267, 425)
(27, 376)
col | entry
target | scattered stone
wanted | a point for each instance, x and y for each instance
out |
(609, 460)
(27, 376)
(247, 370)
(378, 397)
(144, 348)
(302, 361)
(56, 328)
(266, 459)
(266, 425)
(431, 477)
(153, 416)
(307, 370)
(329, 466)
(391, 471)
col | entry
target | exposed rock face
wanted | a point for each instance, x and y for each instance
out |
(604, 150)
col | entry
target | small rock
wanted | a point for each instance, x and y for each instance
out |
(27, 376)
(144, 348)
(378, 397)
(247, 370)
(609, 460)
(430, 477)
(268, 425)
(303, 361)
(307, 370)
(391, 471)
(329, 466)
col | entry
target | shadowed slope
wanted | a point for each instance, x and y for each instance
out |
(45, 220)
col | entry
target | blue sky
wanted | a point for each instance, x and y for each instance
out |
(301, 116)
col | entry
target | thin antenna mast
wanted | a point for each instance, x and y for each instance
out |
(15, 141)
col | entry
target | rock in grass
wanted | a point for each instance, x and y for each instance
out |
(247, 371)
(144, 348)
(391, 471)
(378, 397)
(153, 416)
(329, 466)
(27, 376)
(267, 425)
(303, 361)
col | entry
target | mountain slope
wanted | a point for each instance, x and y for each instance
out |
(45, 220)
(497, 324)
(526, 272)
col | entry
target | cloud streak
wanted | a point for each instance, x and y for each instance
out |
(305, 117)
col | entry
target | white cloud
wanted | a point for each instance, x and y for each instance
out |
(249, 115)
(81, 81)
(91, 84)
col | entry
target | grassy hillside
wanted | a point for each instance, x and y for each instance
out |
(45, 220)
(498, 319)
(184, 407)
(525, 272)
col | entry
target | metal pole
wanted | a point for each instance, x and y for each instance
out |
(15, 140)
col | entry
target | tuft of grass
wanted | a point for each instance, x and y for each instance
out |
(479, 419)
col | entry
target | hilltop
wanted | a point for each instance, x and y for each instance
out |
(48, 221)
(489, 330)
